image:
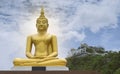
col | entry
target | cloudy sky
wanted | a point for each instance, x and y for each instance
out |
(95, 22)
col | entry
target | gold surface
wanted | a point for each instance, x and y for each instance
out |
(46, 50)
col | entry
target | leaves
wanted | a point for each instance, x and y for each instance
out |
(106, 64)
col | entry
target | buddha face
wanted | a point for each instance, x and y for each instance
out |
(42, 25)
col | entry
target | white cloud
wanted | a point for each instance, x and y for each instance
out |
(11, 43)
(96, 16)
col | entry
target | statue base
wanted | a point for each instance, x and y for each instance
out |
(47, 68)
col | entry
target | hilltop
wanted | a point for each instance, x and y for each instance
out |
(95, 58)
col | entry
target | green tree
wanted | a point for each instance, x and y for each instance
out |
(106, 64)
(117, 71)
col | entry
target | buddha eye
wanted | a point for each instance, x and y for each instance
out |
(43, 21)
(39, 22)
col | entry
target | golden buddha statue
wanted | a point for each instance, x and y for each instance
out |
(46, 50)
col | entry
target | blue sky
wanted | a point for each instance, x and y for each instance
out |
(95, 22)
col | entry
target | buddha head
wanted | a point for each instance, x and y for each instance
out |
(42, 22)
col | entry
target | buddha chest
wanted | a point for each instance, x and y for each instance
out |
(41, 40)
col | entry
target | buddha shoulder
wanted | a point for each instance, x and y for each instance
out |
(31, 37)
(36, 36)
(54, 36)
(51, 36)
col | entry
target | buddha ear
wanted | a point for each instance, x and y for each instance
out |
(36, 25)
(48, 25)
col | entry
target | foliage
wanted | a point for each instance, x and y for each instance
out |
(117, 71)
(107, 64)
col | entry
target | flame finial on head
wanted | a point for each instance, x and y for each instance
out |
(42, 13)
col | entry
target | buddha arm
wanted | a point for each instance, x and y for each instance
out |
(29, 47)
(54, 47)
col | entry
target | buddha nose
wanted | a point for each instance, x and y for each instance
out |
(41, 24)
